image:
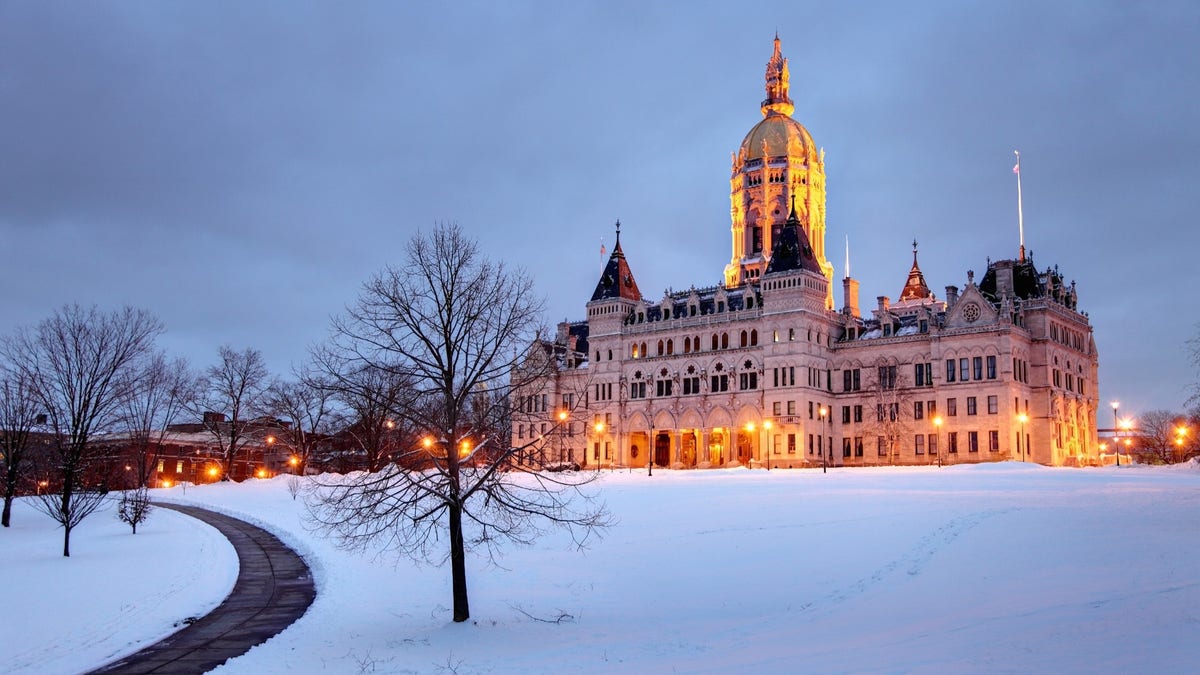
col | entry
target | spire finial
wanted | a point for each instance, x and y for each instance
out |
(793, 213)
(777, 84)
(618, 231)
(914, 251)
(847, 256)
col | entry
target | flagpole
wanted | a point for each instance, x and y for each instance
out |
(1020, 213)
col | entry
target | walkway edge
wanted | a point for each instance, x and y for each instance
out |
(274, 588)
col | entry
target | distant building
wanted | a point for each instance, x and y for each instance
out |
(764, 368)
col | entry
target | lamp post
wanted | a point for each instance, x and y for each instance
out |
(823, 412)
(599, 430)
(562, 421)
(1023, 441)
(650, 451)
(937, 435)
(767, 450)
(1116, 441)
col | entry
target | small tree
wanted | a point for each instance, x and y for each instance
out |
(18, 416)
(82, 365)
(232, 400)
(451, 322)
(134, 506)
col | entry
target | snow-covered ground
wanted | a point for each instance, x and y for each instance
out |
(992, 568)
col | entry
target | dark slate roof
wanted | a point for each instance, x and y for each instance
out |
(616, 281)
(792, 250)
(1026, 283)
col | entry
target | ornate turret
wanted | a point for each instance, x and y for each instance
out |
(777, 85)
(915, 289)
(617, 280)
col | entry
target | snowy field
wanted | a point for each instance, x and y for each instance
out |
(993, 568)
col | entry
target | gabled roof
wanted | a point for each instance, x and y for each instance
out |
(617, 280)
(792, 250)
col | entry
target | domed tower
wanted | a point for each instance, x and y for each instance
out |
(777, 161)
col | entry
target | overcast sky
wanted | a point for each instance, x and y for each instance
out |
(241, 168)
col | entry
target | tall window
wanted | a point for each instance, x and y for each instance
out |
(952, 442)
(970, 405)
(991, 367)
(951, 407)
(972, 441)
(918, 410)
(993, 405)
(950, 371)
(977, 367)
(919, 444)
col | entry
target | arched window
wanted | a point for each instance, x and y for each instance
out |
(644, 350)
(610, 355)
(714, 342)
(724, 340)
(670, 347)
(742, 339)
(633, 350)
(696, 343)
(754, 338)
(687, 345)
(660, 347)
(597, 354)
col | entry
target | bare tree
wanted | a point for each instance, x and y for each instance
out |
(891, 416)
(1163, 437)
(82, 365)
(233, 400)
(306, 404)
(451, 321)
(134, 506)
(368, 397)
(164, 389)
(18, 416)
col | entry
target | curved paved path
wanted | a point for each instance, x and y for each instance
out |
(273, 589)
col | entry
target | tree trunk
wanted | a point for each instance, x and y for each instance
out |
(458, 567)
(66, 541)
(10, 491)
(65, 513)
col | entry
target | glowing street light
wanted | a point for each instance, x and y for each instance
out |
(1023, 418)
(1116, 442)
(767, 447)
(937, 435)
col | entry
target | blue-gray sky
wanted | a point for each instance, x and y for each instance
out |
(240, 168)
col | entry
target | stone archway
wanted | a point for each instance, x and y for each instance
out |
(662, 448)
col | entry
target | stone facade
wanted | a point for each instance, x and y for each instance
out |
(764, 371)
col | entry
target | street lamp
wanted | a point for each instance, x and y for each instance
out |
(1116, 442)
(823, 412)
(599, 428)
(937, 435)
(562, 420)
(1023, 418)
(1124, 425)
(767, 433)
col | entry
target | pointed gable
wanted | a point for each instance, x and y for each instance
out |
(915, 288)
(617, 280)
(792, 250)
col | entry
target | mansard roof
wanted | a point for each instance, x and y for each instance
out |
(617, 280)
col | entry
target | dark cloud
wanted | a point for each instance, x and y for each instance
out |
(240, 168)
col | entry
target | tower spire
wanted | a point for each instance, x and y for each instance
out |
(915, 288)
(777, 77)
(1020, 213)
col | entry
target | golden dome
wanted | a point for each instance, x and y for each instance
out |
(782, 136)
